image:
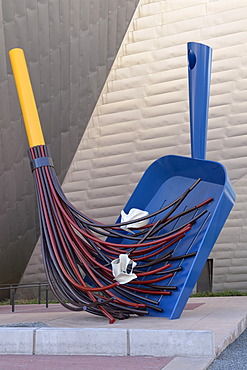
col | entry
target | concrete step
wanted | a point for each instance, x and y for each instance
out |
(206, 327)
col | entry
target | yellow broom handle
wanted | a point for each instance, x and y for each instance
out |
(26, 98)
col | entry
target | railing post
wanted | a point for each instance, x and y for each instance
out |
(46, 297)
(39, 293)
(12, 293)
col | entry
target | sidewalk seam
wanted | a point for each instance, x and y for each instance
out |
(34, 341)
(128, 342)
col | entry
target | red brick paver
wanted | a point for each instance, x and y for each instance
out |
(40, 362)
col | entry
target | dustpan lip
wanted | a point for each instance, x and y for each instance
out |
(225, 181)
(188, 162)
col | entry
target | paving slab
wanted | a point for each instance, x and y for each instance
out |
(171, 342)
(16, 341)
(81, 341)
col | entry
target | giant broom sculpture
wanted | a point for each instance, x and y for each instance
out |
(79, 252)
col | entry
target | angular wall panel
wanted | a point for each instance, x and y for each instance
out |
(70, 46)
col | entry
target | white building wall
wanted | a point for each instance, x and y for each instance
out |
(142, 114)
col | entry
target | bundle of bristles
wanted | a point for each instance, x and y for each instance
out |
(78, 251)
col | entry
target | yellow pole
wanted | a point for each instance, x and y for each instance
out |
(26, 97)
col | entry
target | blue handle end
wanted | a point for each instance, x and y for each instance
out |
(199, 73)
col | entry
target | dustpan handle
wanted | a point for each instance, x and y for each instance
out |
(199, 73)
(26, 97)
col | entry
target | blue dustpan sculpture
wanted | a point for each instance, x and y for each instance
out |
(168, 177)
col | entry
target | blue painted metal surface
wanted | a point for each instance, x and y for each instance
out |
(168, 177)
(199, 71)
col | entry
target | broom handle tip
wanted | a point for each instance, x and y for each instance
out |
(26, 97)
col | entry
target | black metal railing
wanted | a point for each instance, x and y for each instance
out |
(13, 288)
